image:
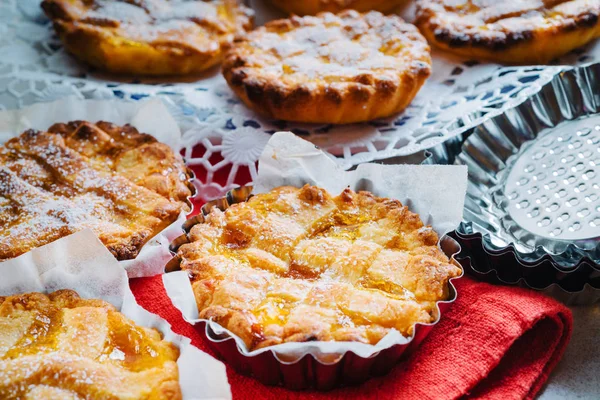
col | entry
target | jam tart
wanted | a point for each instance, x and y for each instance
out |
(328, 68)
(298, 265)
(123, 185)
(512, 32)
(150, 37)
(60, 346)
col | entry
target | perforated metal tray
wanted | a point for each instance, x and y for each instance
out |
(532, 212)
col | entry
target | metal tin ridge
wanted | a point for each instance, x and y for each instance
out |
(308, 372)
(491, 149)
(580, 285)
(191, 178)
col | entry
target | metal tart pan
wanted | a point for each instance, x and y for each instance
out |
(532, 211)
(578, 286)
(307, 372)
(191, 178)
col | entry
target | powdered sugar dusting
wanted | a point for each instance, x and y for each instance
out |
(151, 20)
(337, 47)
(48, 190)
(149, 11)
(37, 217)
(120, 11)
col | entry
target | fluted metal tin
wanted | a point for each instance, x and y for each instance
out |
(308, 372)
(578, 285)
(532, 212)
(193, 189)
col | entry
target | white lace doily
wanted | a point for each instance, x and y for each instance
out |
(222, 137)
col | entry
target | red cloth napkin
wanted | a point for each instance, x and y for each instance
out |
(494, 343)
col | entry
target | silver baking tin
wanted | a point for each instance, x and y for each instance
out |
(308, 372)
(533, 200)
(193, 189)
(579, 285)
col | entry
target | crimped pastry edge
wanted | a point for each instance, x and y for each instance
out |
(513, 45)
(358, 101)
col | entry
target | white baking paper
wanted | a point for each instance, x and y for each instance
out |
(80, 262)
(149, 116)
(435, 192)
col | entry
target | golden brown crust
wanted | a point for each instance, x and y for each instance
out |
(509, 32)
(124, 185)
(313, 7)
(297, 265)
(152, 37)
(341, 68)
(60, 346)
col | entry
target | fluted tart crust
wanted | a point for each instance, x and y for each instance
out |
(512, 32)
(299, 265)
(342, 68)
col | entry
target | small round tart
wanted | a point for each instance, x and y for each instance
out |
(312, 7)
(299, 265)
(124, 185)
(151, 37)
(343, 68)
(512, 32)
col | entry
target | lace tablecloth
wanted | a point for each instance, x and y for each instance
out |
(461, 93)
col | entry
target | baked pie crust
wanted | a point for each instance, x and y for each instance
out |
(60, 346)
(150, 37)
(312, 7)
(513, 32)
(122, 184)
(342, 68)
(298, 265)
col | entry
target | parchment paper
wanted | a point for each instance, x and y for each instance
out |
(435, 192)
(150, 117)
(81, 262)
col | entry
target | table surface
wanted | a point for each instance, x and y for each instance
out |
(577, 375)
